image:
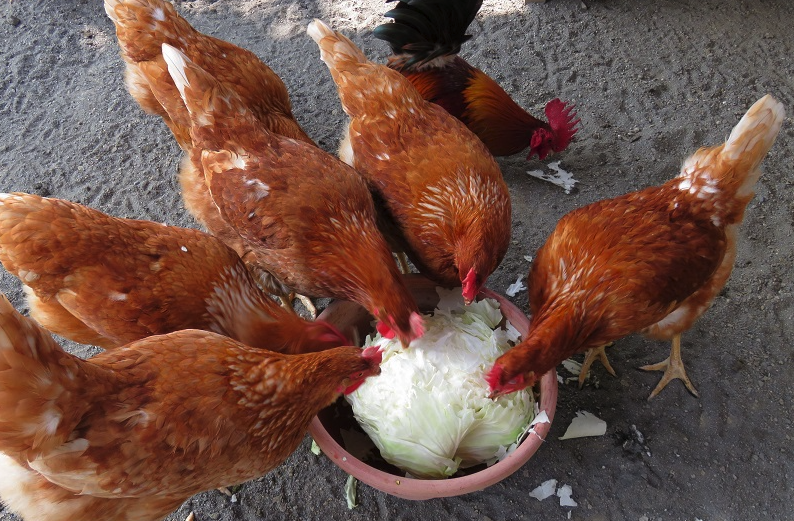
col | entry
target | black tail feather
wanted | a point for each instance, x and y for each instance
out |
(427, 29)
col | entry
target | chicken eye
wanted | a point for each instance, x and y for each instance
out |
(359, 374)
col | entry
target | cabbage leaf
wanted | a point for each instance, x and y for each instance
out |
(428, 412)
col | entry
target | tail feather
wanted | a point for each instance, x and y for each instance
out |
(27, 225)
(213, 108)
(37, 381)
(755, 133)
(33, 230)
(217, 114)
(423, 30)
(142, 26)
(729, 171)
(336, 50)
(177, 68)
(358, 80)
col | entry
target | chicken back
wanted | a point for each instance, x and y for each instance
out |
(142, 27)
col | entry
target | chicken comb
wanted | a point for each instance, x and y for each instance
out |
(561, 120)
(494, 376)
(427, 29)
(470, 288)
(372, 353)
(417, 324)
(498, 388)
(385, 330)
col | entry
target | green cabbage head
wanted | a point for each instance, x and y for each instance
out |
(428, 412)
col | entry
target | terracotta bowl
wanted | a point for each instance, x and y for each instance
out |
(328, 427)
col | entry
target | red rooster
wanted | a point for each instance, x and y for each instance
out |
(425, 38)
(650, 261)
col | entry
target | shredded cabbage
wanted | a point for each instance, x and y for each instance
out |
(428, 412)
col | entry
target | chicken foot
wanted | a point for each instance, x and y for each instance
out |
(272, 285)
(286, 301)
(673, 368)
(592, 354)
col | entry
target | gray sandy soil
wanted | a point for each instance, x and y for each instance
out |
(653, 80)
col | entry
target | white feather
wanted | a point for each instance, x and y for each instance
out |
(176, 67)
(761, 122)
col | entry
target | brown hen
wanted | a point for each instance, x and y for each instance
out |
(443, 200)
(650, 261)
(132, 433)
(101, 280)
(142, 27)
(304, 216)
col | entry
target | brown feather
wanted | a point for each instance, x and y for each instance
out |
(154, 422)
(438, 181)
(142, 27)
(650, 261)
(302, 215)
(106, 281)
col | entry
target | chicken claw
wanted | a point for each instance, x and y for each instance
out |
(673, 368)
(306, 301)
(270, 284)
(593, 353)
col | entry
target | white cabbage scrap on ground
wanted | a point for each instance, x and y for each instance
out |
(544, 490)
(564, 493)
(517, 286)
(585, 424)
(350, 492)
(549, 488)
(560, 177)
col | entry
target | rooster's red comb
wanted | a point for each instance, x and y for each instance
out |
(562, 120)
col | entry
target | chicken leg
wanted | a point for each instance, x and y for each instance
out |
(271, 284)
(673, 368)
(402, 261)
(286, 301)
(593, 353)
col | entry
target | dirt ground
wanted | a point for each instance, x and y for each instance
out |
(653, 80)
